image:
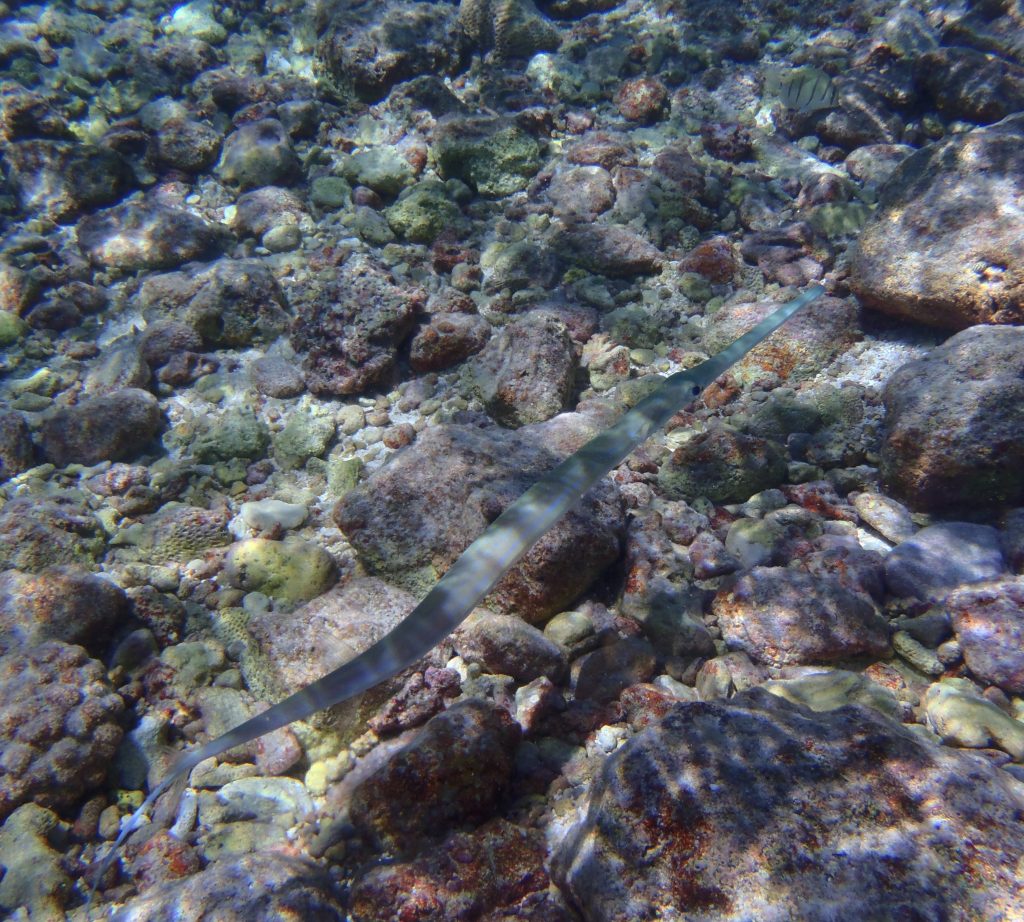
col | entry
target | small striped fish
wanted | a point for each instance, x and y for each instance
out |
(805, 89)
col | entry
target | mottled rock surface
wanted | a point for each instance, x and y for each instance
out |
(943, 556)
(34, 877)
(106, 428)
(989, 622)
(954, 425)
(946, 245)
(415, 515)
(762, 809)
(62, 603)
(269, 887)
(462, 761)
(781, 616)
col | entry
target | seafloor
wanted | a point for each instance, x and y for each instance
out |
(294, 301)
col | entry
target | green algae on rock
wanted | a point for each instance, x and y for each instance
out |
(493, 156)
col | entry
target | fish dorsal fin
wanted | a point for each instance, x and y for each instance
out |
(481, 565)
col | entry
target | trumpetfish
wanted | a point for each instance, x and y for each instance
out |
(482, 564)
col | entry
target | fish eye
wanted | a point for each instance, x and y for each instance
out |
(695, 390)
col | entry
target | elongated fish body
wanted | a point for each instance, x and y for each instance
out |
(483, 563)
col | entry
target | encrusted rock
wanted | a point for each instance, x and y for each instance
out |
(34, 876)
(492, 156)
(946, 245)
(106, 428)
(954, 425)
(781, 616)
(415, 515)
(61, 179)
(989, 622)
(62, 603)
(780, 790)
(600, 676)
(462, 761)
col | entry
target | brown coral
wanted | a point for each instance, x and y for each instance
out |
(58, 725)
(511, 28)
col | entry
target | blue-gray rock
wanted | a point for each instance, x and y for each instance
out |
(954, 424)
(942, 557)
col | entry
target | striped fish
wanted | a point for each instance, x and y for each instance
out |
(481, 565)
(805, 89)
